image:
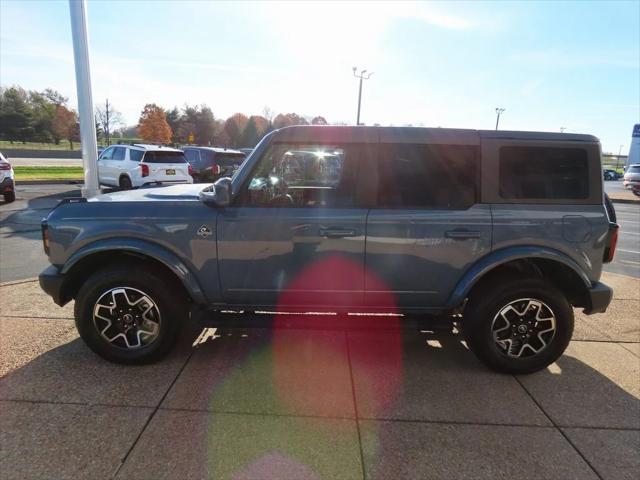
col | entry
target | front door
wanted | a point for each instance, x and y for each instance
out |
(427, 227)
(295, 235)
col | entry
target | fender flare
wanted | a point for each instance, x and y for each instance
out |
(500, 257)
(144, 248)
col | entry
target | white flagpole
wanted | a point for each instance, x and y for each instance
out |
(78, 11)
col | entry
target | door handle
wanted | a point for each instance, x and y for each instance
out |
(337, 232)
(462, 234)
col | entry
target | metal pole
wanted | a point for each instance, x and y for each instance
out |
(108, 128)
(359, 100)
(77, 10)
(361, 76)
(498, 112)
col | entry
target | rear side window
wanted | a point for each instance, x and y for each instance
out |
(135, 155)
(427, 176)
(164, 157)
(543, 173)
(118, 153)
(193, 156)
(634, 169)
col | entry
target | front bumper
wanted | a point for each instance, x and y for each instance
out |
(52, 281)
(600, 296)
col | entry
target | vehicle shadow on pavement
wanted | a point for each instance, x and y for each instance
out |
(302, 403)
(25, 216)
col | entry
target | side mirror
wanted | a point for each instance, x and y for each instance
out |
(218, 194)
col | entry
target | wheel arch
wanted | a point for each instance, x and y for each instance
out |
(554, 266)
(131, 251)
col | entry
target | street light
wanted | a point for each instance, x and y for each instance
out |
(362, 76)
(498, 113)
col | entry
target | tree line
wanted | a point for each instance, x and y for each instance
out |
(46, 117)
(198, 125)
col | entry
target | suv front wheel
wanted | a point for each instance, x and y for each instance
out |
(519, 326)
(129, 314)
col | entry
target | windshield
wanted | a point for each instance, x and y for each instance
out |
(164, 157)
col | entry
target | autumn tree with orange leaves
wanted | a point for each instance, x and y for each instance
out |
(153, 125)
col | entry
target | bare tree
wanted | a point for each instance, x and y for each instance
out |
(109, 119)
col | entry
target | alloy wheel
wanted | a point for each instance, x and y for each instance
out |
(523, 328)
(127, 318)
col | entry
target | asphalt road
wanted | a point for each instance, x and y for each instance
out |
(22, 257)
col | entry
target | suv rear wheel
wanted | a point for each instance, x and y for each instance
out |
(125, 183)
(129, 315)
(518, 326)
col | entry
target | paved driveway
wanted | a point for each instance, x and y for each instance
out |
(378, 402)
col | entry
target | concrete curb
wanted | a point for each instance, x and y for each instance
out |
(625, 200)
(48, 182)
(18, 282)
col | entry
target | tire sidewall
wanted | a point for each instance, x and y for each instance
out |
(171, 313)
(481, 314)
(125, 183)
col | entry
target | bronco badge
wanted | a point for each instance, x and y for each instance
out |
(204, 231)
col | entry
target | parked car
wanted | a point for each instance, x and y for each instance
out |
(129, 166)
(405, 220)
(632, 176)
(609, 174)
(7, 181)
(211, 163)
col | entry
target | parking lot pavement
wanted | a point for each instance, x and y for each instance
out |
(315, 403)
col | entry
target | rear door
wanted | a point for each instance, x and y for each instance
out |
(428, 226)
(296, 234)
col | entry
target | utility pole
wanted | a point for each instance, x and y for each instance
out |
(362, 76)
(618, 159)
(499, 112)
(562, 129)
(106, 125)
(78, 13)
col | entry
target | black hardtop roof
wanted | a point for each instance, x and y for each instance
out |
(451, 136)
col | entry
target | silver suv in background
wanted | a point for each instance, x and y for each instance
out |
(632, 176)
(129, 166)
(7, 182)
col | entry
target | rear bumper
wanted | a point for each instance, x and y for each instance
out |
(600, 296)
(6, 185)
(51, 281)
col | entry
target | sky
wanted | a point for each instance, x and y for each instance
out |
(550, 65)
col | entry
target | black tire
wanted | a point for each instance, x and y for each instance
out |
(160, 290)
(125, 183)
(489, 300)
(611, 211)
(10, 197)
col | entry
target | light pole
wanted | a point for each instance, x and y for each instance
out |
(498, 113)
(362, 76)
(562, 129)
(618, 159)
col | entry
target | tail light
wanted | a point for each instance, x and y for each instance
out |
(190, 171)
(610, 249)
(144, 169)
(44, 226)
(5, 166)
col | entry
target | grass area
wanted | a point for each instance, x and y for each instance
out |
(63, 145)
(48, 173)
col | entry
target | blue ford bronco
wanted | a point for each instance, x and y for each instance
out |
(505, 231)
